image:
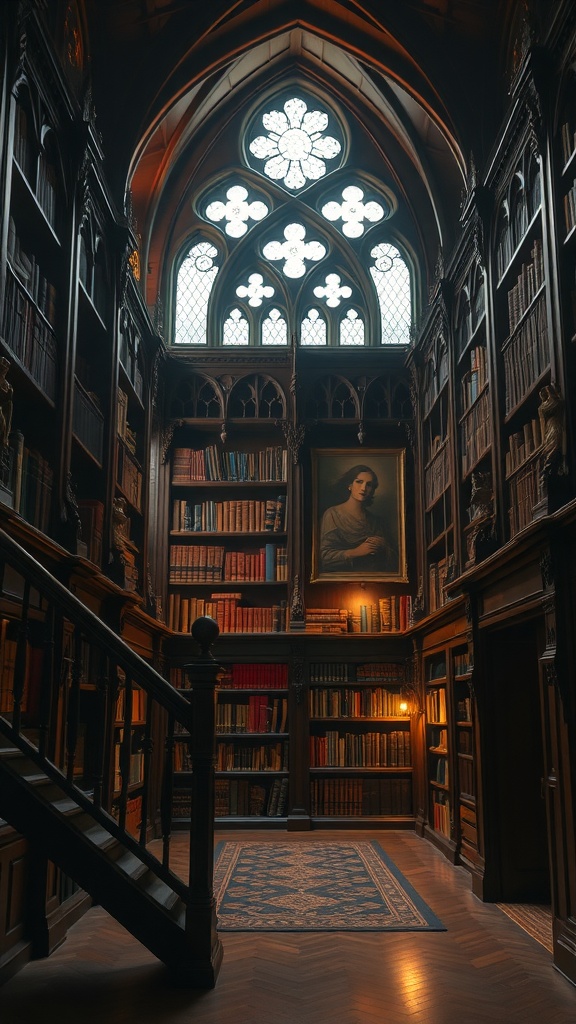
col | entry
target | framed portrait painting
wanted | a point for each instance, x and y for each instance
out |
(358, 515)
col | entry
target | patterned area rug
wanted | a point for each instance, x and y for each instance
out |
(315, 887)
(534, 919)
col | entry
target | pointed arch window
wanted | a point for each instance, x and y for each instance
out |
(196, 278)
(289, 240)
(392, 281)
(313, 329)
(274, 329)
(351, 328)
(236, 329)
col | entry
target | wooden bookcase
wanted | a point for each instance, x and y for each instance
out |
(473, 404)
(252, 750)
(228, 543)
(129, 745)
(436, 449)
(33, 329)
(523, 334)
(453, 818)
(467, 824)
(439, 751)
(360, 741)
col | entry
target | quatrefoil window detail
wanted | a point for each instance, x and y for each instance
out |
(294, 251)
(237, 211)
(333, 291)
(255, 290)
(353, 211)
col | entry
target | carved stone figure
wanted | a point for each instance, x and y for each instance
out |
(552, 416)
(481, 496)
(120, 524)
(6, 392)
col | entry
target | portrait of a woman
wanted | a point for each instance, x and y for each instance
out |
(355, 536)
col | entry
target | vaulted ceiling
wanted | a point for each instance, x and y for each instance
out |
(422, 81)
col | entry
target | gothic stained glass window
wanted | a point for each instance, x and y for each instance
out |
(294, 251)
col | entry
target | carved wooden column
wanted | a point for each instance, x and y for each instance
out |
(204, 946)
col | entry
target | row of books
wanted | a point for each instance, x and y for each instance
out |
(464, 709)
(377, 702)
(437, 476)
(229, 611)
(466, 781)
(129, 477)
(88, 420)
(212, 563)
(526, 356)
(346, 672)
(129, 360)
(241, 798)
(30, 337)
(31, 483)
(462, 664)
(263, 757)
(138, 702)
(244, 516)
(260, 715)
(360, 797)
(525, 493)
(28, 271)
(474, 380)
(135, 768)
(181, 758)
(530, 280)
(268, 465)
(8, 649)
(441, 813)
(437, 576)
(436, 704)
(390, 614)
(476, 433)
(465, 744)
(255, 676)
(522, 444)
(361, 750)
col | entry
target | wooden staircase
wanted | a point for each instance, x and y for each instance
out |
(72, 825)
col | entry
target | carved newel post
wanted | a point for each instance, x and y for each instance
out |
(204, 944)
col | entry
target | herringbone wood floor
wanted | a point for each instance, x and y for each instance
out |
(483, 970)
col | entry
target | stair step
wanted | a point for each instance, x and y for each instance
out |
(161, 893)
(131, 865)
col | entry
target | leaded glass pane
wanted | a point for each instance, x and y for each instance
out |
(236, 329)
(313, 329)
(195, 280)
(274, 329)
(392, 281)
(352, 329)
